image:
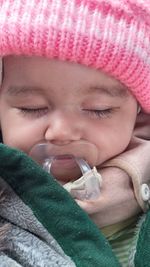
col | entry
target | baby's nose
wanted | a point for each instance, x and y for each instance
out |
(63, 128)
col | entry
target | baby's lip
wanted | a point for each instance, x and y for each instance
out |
(64, 162)
(78, 149)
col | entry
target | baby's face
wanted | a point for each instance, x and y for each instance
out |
(76, 109)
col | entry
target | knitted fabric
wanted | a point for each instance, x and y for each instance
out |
(110, 35)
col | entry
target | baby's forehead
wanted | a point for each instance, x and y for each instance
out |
(60, 74)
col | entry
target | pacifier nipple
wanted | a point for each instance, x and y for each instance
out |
(86, 187)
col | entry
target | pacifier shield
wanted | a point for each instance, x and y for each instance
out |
(74, 173)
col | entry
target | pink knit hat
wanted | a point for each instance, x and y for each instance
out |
(111, 35)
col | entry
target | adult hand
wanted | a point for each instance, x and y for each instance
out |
(116, 202)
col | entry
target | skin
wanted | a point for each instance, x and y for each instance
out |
(77, 110)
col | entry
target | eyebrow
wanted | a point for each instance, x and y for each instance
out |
(113, 91)
(23, 90)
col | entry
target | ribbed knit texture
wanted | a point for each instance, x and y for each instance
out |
(111, 35)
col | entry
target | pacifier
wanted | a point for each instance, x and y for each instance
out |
(85, 187)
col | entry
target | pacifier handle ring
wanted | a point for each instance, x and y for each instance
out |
(83, 165)
(47, 164)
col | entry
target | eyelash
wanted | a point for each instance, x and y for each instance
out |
(37, 112)
(100, 114)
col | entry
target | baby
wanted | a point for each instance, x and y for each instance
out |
(75, 77)
(78, 110)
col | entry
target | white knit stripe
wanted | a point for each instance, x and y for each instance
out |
(53, 19)
(69, 21)
(25, 20)
(93, 33)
